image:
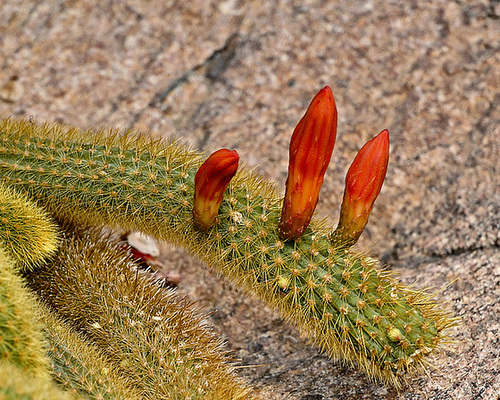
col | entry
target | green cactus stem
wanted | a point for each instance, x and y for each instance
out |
(79, 365)
(26, 231)
(348, 306)
(21, 340)
(157, 342)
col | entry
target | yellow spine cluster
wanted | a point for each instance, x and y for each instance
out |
(21, 341)
(17, 383)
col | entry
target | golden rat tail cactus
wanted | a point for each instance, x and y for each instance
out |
(17, 383)
(148, 338)
(349, 307)
(160, 347)
(21, 341)
(26, 231)
(79, 366)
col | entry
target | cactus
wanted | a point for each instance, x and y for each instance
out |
(76, 363)
(150, 337)
(79, 365)
(21, 341)
(346, 304)
(26, 232)
(18, 384)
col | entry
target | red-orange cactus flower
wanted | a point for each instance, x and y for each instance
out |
(362, 186)
(311, 148)
(210, 183)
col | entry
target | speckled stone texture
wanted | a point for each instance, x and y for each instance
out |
(240, 74)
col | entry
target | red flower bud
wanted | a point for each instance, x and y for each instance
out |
(311, 148)
(362, 186)
(210, 183)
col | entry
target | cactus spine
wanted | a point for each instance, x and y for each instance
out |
(349, 307)
(149, 337)
(77, 363)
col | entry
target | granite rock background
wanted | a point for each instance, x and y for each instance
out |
(240, 74)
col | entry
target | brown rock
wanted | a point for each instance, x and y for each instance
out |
(239, 75)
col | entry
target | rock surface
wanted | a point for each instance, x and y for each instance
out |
(240, 75)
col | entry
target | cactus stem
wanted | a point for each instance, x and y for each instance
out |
(344, 301)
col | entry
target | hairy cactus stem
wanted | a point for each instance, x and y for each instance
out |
(342, 300)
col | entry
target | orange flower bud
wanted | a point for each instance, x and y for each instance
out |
(362, 186)
(210, 183)
(311, 148)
